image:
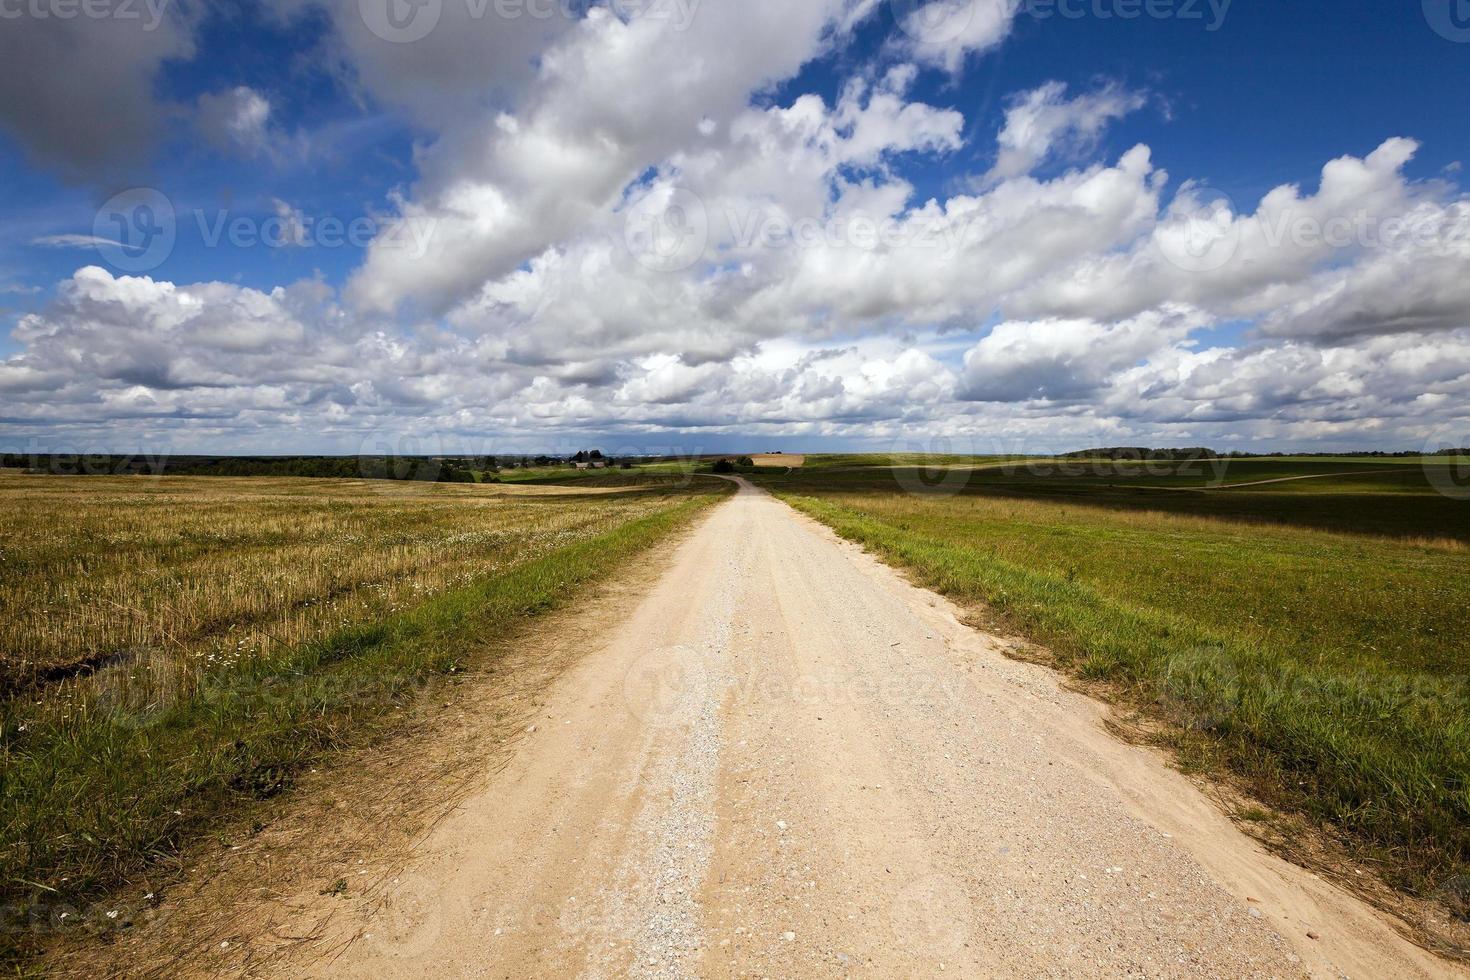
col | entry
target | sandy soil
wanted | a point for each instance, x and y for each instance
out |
(779, 460)
(786, 761)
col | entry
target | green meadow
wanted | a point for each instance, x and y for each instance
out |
(1305, 636)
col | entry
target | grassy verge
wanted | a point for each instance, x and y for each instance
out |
(1323, 669)
(89, 796)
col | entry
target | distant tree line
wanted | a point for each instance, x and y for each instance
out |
(1144, 453)
(430, 469)
(434, 469)
(1364, 453)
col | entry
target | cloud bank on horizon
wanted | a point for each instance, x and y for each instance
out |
(673, 224)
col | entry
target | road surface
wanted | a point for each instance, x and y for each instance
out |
(788, 762)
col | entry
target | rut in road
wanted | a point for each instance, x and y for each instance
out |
(787, 761)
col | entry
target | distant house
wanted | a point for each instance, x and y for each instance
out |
(599, 464)
(581, 465)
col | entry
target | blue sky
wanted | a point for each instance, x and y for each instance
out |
(520, 148)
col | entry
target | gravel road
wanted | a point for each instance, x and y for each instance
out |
(788, 762)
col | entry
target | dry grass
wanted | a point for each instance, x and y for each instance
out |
(1436, 544)
(214, 571)
(358, 815)
(176, 647)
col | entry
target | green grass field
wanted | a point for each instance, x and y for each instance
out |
(175, 646)
(1378, 497)
(1307, 636)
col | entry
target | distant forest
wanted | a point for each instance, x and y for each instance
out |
(1143, 452)
(430, 469)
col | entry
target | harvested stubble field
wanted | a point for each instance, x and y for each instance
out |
(1307, 640)
(168, 645)
(217, 571)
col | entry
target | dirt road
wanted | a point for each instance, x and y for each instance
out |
(788, 762)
